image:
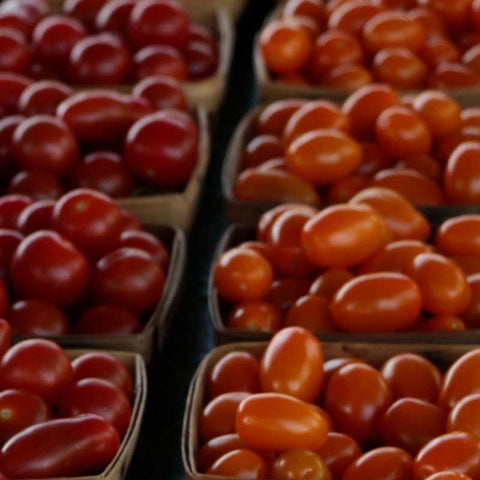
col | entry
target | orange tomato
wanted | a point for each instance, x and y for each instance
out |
(443, 323)
(465, 416)
(437, 50)
(285, 291)
(446, 146)
(301, 465)
(274, 422)
(459, 236)
(345, 188)
(216, 448)
(352, 16)
(449, 476)
(470, 264)
(347, 77)
(329, 282)
(424, 164)
(471, 316)
(314, 9)
(293, 364)
(373, 160)
(431, 23)
(255, 316)
(453, 75)
(471, 117)
(310, 312)
(259, 247)
(454, 14)
(239, 463)
(274, 117)
(260, 149)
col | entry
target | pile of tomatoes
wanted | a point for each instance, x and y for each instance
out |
(53, 139)
(293, 416)
(60, 417)
(346, 44)
(79, 264)
(365, 266)
(105, 42)
(424, 147)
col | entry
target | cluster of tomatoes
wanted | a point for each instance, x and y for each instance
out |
(105, 42)
(60, 417)
(365, 266)
(293, 416)
(350, 43)
(424, 147)
(79, 264)
(53, 139)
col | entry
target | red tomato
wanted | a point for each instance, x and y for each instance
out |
(7, 128)
(310, 312)
(114, 15)
(329, 282)
(36, 184)
(148, 243)
(9, 241)
(12, 86)
(299, 464)
(35, 217)
(61, 448)
(274, 422)
(239, 463)
(293, 364)
(255, 316)
(162, 92)
(274, 117)
(36, 366)
(159, 60)
(5, 331)
(11, 207)
(43, 97)
(356, 397)
(201, 59)
(15, 54)
(44, 259)
(130, 222)
(37, 318)
(83, 10)
(163, 148)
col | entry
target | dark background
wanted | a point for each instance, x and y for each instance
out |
(158, 454)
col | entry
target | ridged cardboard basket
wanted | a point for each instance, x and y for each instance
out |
(151, 338)
(270, 89)
(219, 308)
(441, 355)
(198, 8)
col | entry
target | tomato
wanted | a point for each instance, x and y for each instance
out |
(215, 448)
(332, 49)
(284, 292)
(44, 143)
(36, 184)
(36, 366)
(399, 67)
(293, 364)
(37, 318)
(299, 464)
(35, 217)
(5, 330)
(310, 312)
(443, 323)
(356, 398)
(83, 10)
(454, 14)
(255, 316)
(342, 236)
(158, 22)
(44, 259)
(386, 462)
(130, 221)
(149, 243)
(313, 9)
(352, 16)
(345, 188)
(7, 128)
(471, 58)
(373, 160)
(453, 75)
(424, 164)
(411, 423)
(159, 60)
(458, 236)
(403, 220)
(114, 15)
(61, 448)
(104, 366)
(471, 316)
(43, 97)
(449, 476)
(274, 186)
(315, 115)
(442, 283)
(273, 118)
(54, 37)
(162, 92)
(347, 77)
(262, 148)
(163, 148)
(16, 21)
(457, 452)
(201, 59)
(11, 206)
(285, 46)
(431, 23)
(329, 282)
(275, 422)
(465, 416)
(20, 410)
(15, 54)
(239, 463)
(9, 241)
(365, 105)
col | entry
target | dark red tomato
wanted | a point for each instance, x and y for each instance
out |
(37, 216)
(36, 184)
(20, 410)
(148, 243)
(83, 10)
(11, 206)
(100, 59)
(108, 320)
(240, 463)
(114, 15)
(66, 447)
(14, 51)
(54, 37)
(158, 22)
(162, 148)
(43, 97)
(215, 448)
(45, 259)
(356, 397)
(45, 143)
(9, 241)
(161, 60)
(385, 462)
(273, 118)
(7, 128)
(411, 423)
(130, 278)
(36, 366)
(11, 87)
(5, 331)
(37, 318)
(3, 297)
(456, 452)
(161, 92)
(16, 21)
(104, 366)
(98, 397)
(103, 171)
(90, 219)
(201, 60)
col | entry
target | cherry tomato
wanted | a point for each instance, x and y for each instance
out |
(356, 398)
(114, 15)
(255, 316)
(453, 75)
(300, 464)
(284, 292)
(108, 320)
(161, 91)
(239, 463)
(43, 97)
(35, 217)
(15, 54)
(37, 318)
(84, 10)
(291, 351)
(310, 312)
(36, 184)
(64, 447)
(44, 259)
(274, 422)
(273, 118)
